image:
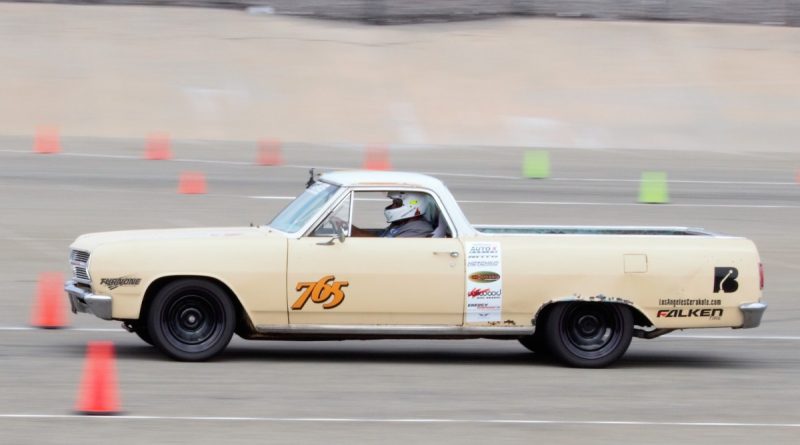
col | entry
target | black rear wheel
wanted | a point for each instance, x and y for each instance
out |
(191, 320)
(534, 343)
(589, 335)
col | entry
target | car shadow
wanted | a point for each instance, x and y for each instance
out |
(687, 360)
(440, 353)
(394, 355)
(399, 354)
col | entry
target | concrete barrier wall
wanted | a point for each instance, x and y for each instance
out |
(779, 12)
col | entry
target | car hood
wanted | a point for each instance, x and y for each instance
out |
(90, 241)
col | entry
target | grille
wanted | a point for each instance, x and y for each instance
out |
(80, 273)
(79, 260)
(79, 256)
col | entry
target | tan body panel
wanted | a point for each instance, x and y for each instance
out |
(402, 281)
(389, 280)
(251, 262)
(539, 269)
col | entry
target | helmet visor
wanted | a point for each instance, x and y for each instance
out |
(396, 203)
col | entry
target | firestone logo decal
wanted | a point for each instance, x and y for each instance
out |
(113, 283)
(484, 277)
(320, 292)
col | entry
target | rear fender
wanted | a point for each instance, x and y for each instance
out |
(639, 319)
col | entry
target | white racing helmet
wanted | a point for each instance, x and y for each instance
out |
(405, 205)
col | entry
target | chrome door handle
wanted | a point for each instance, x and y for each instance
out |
(452, 253)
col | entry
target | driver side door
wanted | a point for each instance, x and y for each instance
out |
(371, 280)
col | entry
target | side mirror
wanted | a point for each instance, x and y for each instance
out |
(339, 232)
(340, 235)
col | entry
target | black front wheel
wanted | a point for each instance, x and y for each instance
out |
(589, 335)
(142, 332)
(140, 329)
(191, 320)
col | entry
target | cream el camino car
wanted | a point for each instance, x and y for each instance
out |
(578, 293)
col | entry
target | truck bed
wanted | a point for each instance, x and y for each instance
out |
(591, 230)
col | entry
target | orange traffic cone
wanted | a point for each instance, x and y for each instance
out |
(98, 393)
(377, 158)
(46, 141)
(49, 311)
(157, 147)
(192, 183)
(269, 152)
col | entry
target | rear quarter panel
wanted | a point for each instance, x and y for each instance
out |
(678, 275)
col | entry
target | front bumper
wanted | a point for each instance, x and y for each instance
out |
(752, 313)
(81, 300)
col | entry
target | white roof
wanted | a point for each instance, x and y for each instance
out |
(381, 178)
(391, 179)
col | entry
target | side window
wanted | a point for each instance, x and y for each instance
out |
(368, 210)
(369, 216)
(340, 217)
(370, 219)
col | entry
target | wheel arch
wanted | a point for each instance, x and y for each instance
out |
(639, 318)
(243, 323)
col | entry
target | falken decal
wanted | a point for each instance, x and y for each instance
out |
(113, 283)
(484, 277)
(320, 292)
(713, 314)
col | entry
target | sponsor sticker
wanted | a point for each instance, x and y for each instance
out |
(710, 313)
(484, 299)
(113, 283)
(689, 302)
(725, 279)
(484, 276)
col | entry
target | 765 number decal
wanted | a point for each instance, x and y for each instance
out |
(320, 292)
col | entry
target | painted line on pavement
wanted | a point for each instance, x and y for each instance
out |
(281, 198)
(678, 181)
(578, 203)
(32, 328)
(731, 337)
(404, 420)
(433, 173)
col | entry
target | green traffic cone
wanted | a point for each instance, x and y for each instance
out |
(653, 188)
(536, 164)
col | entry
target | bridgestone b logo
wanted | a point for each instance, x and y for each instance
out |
(725, 279)
(113, 283)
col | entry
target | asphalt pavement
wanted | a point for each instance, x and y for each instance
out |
(702, 386)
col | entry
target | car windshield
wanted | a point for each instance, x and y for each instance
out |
(297, 214)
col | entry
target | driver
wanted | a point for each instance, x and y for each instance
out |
(405, 217)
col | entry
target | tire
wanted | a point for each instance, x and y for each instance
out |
(191, 320)
(534, 343)
(589, 335)
(142, 332)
